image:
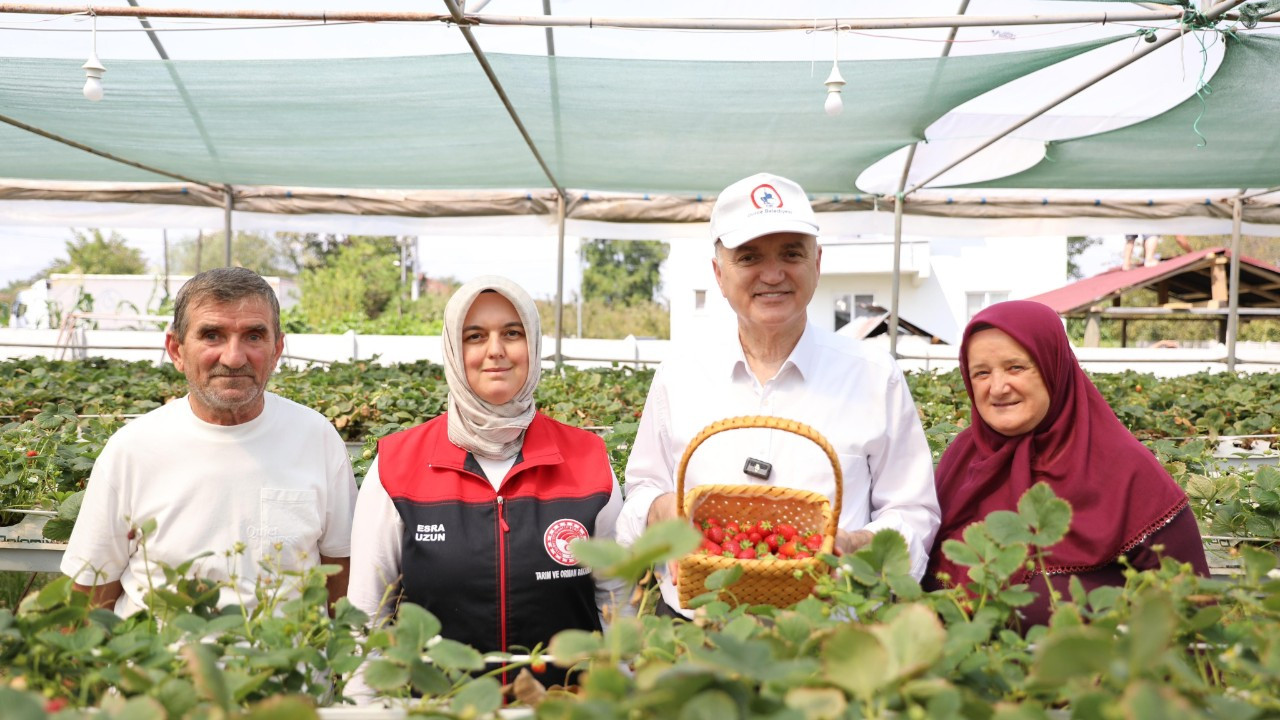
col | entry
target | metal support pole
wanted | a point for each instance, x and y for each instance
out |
(333, 15)
(559, 281)
(467, 35)
(582, 272)
(1233, 289)
(227, 224)
(897, 263)
(404, 262)
(414, 290)
(898, 209)
(164, 240)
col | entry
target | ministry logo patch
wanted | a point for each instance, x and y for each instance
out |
(558, 536)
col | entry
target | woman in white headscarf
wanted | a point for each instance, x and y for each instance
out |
(470, 515)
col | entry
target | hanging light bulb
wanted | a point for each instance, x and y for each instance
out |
(93, 78)
(93, 68)
(834, 105)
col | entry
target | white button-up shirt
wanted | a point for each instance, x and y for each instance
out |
(854, 395)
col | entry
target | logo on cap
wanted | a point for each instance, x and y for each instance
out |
(764, 196)
(558, 536)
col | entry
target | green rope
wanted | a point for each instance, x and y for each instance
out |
(1202, 91)
(1193, 20)
(1251, 13)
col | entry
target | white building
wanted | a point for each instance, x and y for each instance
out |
(944, 280)
(46, 302)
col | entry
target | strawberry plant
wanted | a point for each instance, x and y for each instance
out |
(869, 642)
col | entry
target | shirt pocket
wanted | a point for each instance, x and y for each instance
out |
(289, 529)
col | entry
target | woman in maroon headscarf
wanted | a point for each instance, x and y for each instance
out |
(1038, 418)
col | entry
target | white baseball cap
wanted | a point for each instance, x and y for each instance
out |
(761, 205)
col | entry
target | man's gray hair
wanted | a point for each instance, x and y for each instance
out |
(222, 285)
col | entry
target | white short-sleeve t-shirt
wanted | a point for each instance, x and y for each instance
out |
(277, 491)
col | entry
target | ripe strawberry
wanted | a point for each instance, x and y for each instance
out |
(711, 548)
(729, 553)
(32, 453)
(746, 554)
(813, 542)
(715, 534)
(739, 537)
(731, 528)
(711, 521)
(787, 550)
(754, 536)
(803, 554)
(765, 527)
(773, 540)
(786, 530)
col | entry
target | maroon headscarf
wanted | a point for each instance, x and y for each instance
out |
(1119, 492)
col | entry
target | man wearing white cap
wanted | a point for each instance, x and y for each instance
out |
(767, 261)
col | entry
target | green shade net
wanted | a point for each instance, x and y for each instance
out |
(435, 122)
(1240, 148)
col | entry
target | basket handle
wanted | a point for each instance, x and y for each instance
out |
(772, 423)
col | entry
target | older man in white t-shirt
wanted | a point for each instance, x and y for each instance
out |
(774, 362)
(262, 483)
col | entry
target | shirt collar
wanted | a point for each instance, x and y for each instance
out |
(803, 356)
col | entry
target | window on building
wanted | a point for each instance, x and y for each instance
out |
(975, 301)
(843, 308)
(849, 307)
(862, 305)
(699, 299)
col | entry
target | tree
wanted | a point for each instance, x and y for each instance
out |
(359, 278)
(92, 254)
(1258, 248)
(274, 255)
(1075, 248)
(623, 272)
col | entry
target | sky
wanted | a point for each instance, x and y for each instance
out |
(531, 261)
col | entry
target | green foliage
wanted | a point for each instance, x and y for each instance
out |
(403, 317)
(360, 278)
(1166, 644)
(266, 254)
(1109, 652)
(91, 253)
(186, 654)
(1076, 246)
(609, 322)
(623, 272)
(45, 461)
(1259, 248)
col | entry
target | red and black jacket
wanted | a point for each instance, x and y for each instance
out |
(493, 565)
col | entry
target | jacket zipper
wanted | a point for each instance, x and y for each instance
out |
(502, 577)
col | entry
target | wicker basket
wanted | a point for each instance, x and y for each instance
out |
(763, 582)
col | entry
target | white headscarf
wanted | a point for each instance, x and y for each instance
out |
(482, 428)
